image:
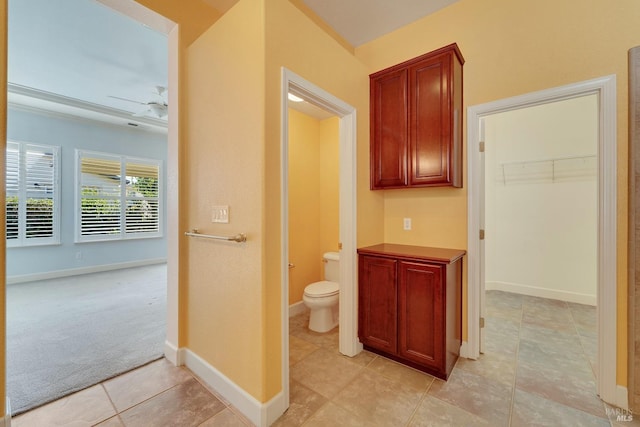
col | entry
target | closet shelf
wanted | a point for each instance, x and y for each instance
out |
(560, 169)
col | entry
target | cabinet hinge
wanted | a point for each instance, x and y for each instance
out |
(481, 234)
(481, 146)
(482, 322)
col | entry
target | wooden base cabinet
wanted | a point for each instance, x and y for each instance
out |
(410, 305)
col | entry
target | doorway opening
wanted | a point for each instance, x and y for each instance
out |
(348, 336)
(604, 90)
(84, 250)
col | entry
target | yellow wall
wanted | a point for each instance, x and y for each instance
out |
(329, 185)
(224, 166)
(193, 16)
(304, 203)
(313, 198)
(512, 48)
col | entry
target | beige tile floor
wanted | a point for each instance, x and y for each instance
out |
(537, 371)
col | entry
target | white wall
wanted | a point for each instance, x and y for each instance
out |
(541, 218)
(69, 134)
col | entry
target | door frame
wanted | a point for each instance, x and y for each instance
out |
(348, 303)
(605, 89)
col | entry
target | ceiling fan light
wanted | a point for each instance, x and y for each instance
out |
(294, 98)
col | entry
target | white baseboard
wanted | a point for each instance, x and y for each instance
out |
(172, 354)
(260, 414)
(6, 420)
(622, 398)
(297, 308)
(517, 288)
(465, 351)
(84, 270)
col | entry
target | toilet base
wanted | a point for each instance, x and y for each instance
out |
(322, 320)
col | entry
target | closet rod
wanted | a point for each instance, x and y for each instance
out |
(528, 162)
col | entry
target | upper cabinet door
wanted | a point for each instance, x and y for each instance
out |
(416, 135)
(389, 130)
(430, 127)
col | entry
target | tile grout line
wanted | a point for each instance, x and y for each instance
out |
(329, 400)
(584, 351)
(117, 414)
(425, 393)
(515, 374)
(588, 360)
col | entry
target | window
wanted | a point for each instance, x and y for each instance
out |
(118, 197)
(32, 187)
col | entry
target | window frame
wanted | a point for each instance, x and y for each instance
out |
(22, 240)
(122, 235)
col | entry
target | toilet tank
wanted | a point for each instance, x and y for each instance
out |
(331, 266)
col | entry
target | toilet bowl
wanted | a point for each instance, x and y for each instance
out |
(322, 297)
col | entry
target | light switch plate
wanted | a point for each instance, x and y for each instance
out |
(220, 214)
(406, 223)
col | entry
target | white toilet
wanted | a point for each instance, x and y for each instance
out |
(322, 297)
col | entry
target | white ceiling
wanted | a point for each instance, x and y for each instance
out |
(84, 52)
(360, 21)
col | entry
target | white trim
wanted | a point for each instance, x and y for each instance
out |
(465, 351)
(6, 420)
(260, 414)
(173, 354)
(536, 291)
(83, 270)
(36, 100)
(172, 193)
(297, 308)
(605, 88)
(349, 343)
(622, 397)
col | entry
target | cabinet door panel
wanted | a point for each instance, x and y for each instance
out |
(389, 121)
(377, 325)
(429, 124)
(421, 313)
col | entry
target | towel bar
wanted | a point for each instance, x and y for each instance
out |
(240, 237)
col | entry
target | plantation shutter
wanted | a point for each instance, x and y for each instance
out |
(142, 214)
(32, 194)
(13, 190)
(119, 197)
(100, 196)
(39, 183)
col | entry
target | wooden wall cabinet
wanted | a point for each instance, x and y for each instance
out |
(410, 305)
(416, 122)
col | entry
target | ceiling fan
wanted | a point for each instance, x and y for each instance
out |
(157, 108)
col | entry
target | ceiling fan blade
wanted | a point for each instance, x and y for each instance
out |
(128, 100)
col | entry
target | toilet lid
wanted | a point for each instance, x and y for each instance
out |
(321, 289)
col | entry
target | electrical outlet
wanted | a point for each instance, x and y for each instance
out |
(220, 214)
(406, 223)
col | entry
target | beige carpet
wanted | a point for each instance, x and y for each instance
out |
(66, 334)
